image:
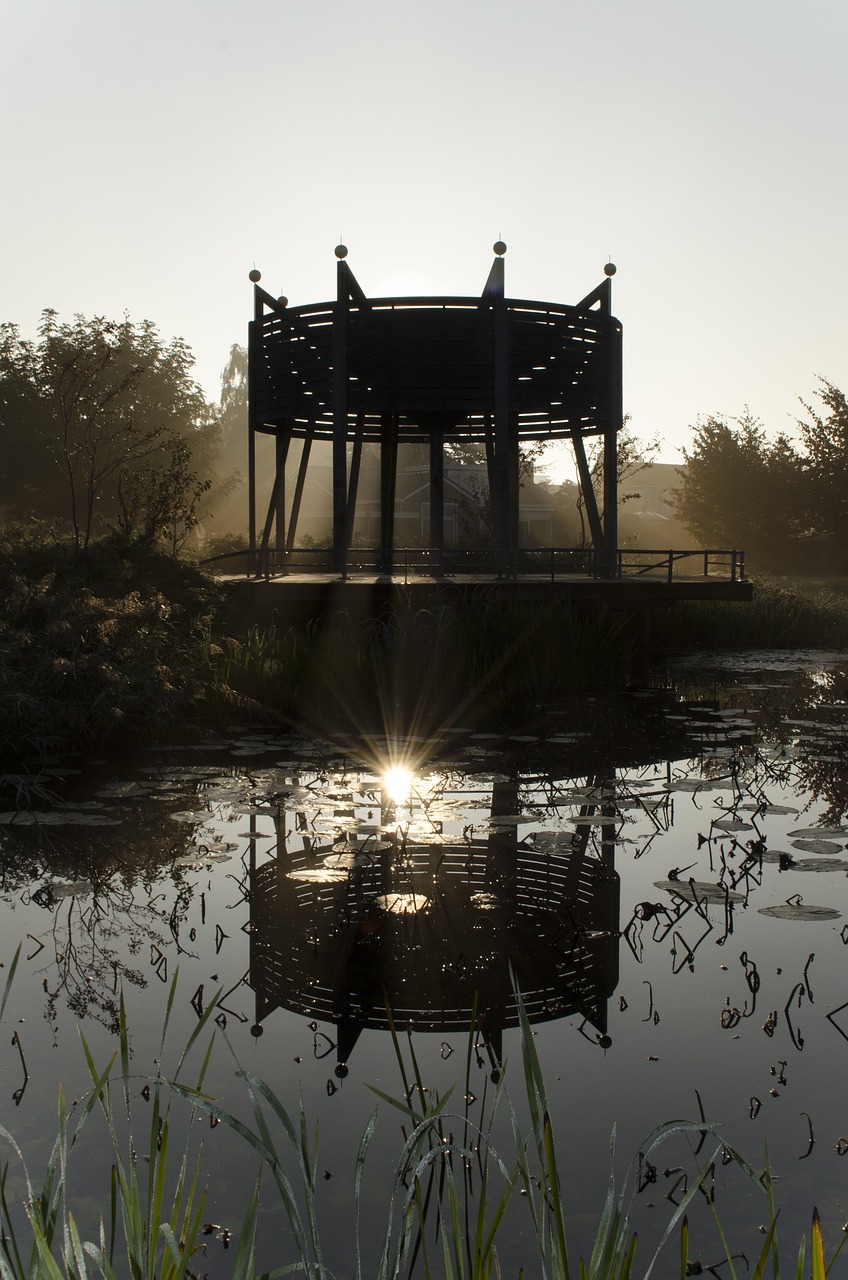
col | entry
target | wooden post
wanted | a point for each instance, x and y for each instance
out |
(513, 494)
(388, 488)
(281, 440)
(251, 498)
(355, 460)
(274, 505)
(340, 415)
(437, 496)
(500, 495)
(252, 357)
(298, 491)
(587, 489)
(613, 427)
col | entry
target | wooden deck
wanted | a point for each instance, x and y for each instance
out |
(298, 597)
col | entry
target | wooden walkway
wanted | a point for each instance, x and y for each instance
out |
(297, 597)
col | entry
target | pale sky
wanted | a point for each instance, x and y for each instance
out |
(154, 152)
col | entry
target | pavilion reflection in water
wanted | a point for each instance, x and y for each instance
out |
(341, 930)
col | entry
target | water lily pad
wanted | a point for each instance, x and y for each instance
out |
(320, 875)
(800, 911)
(345, 861)
(817, 846)
(70, 889)
(553, 841)
(401, 904)
(200, 859)
(485, 901)
(822, 833)
(732, 824)
(703, 890)
(594, 819)
(124, 790)
(775, 855)
(583, 795)
(56, 818)
(819, 864)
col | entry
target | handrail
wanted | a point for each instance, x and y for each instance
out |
(552, 563)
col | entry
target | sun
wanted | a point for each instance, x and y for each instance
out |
(398, 783)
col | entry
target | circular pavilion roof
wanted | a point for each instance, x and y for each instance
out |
(432, 361)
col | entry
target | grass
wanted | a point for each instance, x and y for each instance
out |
(422, 669)
(156, 1204)
(779, 617)
(809, 584)
(449, 1198)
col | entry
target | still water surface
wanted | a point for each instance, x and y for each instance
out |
(675, 914)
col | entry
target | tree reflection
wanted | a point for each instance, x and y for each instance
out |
(101, 909)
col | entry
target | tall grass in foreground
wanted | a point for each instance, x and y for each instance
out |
(447, 1203)
(153, 1228)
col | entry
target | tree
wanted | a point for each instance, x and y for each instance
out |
(29, 483)
(739, 489)
(233, 409)
(160, 499)
(227, 503)
(104, 400)
(825, 464)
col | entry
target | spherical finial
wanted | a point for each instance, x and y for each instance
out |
(255, 276)
(283, 300)
(340, 251)
(610, 269)
(499, 248)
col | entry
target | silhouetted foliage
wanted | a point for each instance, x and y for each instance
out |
(741, 489)
(94, 648)
(787, 506)
(96, 406)
(825, 441)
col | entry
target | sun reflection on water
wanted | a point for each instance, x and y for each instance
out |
(397, 783)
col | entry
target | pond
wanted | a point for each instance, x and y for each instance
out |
(670, 898)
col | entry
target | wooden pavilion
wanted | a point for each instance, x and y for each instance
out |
(492, 371)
